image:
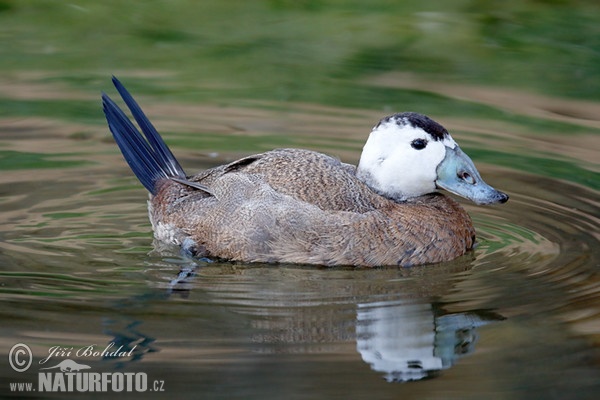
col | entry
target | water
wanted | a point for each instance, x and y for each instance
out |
(516, 318)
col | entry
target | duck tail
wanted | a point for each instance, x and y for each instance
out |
(147, 155)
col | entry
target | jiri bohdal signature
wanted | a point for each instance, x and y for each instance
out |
(88, 351)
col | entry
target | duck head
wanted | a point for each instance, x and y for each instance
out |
(409, 155)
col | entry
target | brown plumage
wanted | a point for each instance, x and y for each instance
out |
(300, 206)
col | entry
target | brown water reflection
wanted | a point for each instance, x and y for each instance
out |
(387, 314)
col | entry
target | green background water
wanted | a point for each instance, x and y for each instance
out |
(516, 82)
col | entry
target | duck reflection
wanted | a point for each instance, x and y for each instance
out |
(406, 334)
(410, 341)
(127, 339)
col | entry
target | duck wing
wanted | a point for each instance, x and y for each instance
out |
(305, 175)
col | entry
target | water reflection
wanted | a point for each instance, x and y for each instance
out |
(405, 335)
(129, 339)
(409, 341)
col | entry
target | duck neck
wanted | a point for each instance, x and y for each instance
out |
(379, 186)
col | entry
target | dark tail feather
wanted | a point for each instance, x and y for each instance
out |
(147, 155)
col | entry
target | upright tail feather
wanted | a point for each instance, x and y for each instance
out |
(147, 155)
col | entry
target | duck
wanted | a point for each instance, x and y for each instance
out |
(296, 206)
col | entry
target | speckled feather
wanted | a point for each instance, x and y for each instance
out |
(300, 206)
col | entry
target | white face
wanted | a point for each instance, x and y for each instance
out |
(399, 160)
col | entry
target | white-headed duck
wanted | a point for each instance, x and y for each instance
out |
(301, 206)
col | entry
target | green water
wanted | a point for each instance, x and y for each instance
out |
(516, 83)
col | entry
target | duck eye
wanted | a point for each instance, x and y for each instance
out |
(418, 144)
(465, 176)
